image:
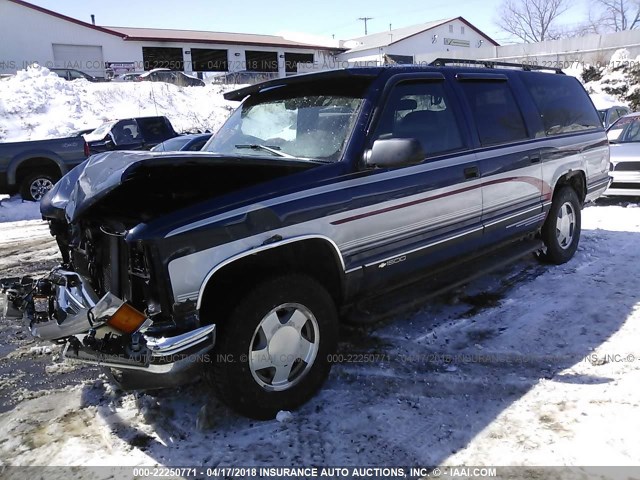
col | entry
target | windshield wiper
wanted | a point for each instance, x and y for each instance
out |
(267, 148)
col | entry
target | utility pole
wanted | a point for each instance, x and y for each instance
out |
(365, 20)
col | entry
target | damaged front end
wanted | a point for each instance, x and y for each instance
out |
(106, 331)
(111, 302)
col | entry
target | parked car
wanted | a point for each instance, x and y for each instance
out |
(611, 114)
(127, 77)
(32, 168)
(320, 192)
(624, 138)
(169, 76)
(192, 143)
(243, 77)
(72, 74)
(141, 133)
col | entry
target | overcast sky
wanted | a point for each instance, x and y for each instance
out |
(326, 18)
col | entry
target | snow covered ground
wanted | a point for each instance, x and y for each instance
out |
(531, 365)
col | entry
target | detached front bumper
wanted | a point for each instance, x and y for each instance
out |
(64, 308)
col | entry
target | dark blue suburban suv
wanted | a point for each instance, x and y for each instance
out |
(319, 191)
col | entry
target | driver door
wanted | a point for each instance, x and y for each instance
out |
(424, 214)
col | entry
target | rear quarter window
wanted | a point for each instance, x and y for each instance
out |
(563, 104)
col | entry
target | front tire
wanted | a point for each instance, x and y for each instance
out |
(561, 230)
(272, 352)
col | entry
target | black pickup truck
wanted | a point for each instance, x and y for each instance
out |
(141, 133)
(32, 167)
(319, 192)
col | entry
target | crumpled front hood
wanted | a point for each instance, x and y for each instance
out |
(87, 183)
(101, 175)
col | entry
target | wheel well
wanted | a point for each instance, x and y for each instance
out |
(37, 165)
(575, 180)
(314, 257)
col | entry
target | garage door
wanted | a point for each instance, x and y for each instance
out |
(87, 58)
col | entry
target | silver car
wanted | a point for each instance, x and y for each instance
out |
(624, 138)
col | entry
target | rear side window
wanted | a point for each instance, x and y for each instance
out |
(562, 102)
(154, 129)
(496, 113)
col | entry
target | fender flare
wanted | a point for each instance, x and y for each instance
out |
(16, 161)
(262, 248)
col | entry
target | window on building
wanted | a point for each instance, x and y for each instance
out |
(495, 110)
(261, 61)
(562, 103)
(421, 110)
(450, 28)
(291, 61)
(209, 60)
(162, 57)
(462, 30)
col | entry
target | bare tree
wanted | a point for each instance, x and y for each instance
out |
(617, 15)
(532, 20)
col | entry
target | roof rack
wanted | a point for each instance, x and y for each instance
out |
(441, 62)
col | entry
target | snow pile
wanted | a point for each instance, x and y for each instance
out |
(616, 83)
(14, 209)
(37, 104)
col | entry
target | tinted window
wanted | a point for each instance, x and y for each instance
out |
(154, 129)
(422, 111)
(494, 108)
(562, 102)
(126, 132)
(615, 114)
(197, 146)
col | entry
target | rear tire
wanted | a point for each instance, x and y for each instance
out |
(561, 230)
(36, 185)
(271, 354)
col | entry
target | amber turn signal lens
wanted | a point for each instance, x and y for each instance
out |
(126, 319)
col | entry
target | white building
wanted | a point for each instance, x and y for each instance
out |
(402, 45)
(34, 34)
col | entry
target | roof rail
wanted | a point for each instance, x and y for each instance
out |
(441, 62)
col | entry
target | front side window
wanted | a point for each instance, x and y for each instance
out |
(289, 124)
(496, 113)
(422, 111)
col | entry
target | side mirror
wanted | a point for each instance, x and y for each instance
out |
(394, 152)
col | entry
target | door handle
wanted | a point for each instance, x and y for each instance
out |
(534, 158)
(471, 172)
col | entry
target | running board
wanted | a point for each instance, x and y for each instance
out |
(439, 281)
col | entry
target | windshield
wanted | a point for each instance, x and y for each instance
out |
(625, 130)
(103, 129)
(308, 126)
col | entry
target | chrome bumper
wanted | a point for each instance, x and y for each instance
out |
(79, 310)
(632, 178)
(167, 354)
(74, 298)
